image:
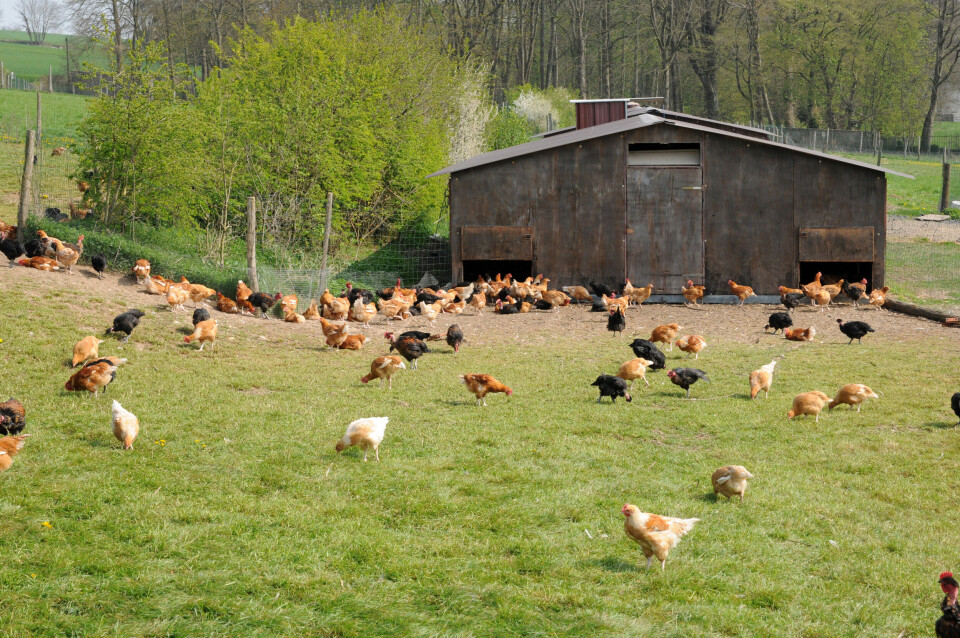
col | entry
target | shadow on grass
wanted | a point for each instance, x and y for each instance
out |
(709, 497)
(612, 564)
(941, 425)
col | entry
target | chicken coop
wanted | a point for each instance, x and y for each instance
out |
(662, 197)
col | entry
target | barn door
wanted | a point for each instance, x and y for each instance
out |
(664, 226)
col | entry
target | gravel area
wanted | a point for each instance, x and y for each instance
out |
(900, 228)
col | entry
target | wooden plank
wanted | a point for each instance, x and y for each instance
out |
(916, 311)
(478, 243)
(837, 244)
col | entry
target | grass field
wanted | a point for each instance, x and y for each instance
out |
(31, 62)
(234, 516)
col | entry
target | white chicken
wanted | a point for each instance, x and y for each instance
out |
(367, 434)
(126, 426)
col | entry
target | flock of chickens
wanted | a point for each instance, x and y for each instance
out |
(656, 535)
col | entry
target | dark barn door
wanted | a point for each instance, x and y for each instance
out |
(664, 226)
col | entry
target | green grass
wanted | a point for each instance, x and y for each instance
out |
(924, 272)
(911, 197)
(62, 113)
(32, 62)
(246, 523)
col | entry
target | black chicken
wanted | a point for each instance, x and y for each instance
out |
(263, 302)
(598, 305)
(792, 299)
(352, 294)
(13, 418)
(647, 350)
(948, 625)
(955, 404)
(200, 314)
(616, 322)
(778, 321)
(416, 334)
(855, 330)
(54, 214)
(34, 248)
(508, 309)
(601, 289)
(854, 292)
(126, 322)
(410, 348)
(11, 250)
(686, 377)
(540, 304)
(427, 298)
(99, 263)
(454, 337)
(612, 387)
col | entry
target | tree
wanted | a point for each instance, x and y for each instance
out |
(39, 17)
(945, 40)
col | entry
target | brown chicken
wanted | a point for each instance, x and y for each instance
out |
(176, 297)
(141, 270)
(312, 313)
(86, 348)
(730, 480)
(762, 379)
(13, 417)
(800, 334)
(833, 289)
(455, 308)
(205, 332)
(813, 286)
(352, 342)
(9, 447)
(634, 369)
(578, 293)
(198, 294)
(656, 535)
(809, 404)
(64, 255)
(93, 377)
(478, 301)
(361, 312)
(367, 434)
(853, 394)
(821, 298)
(335, 333)
(665, 334)
(157, 285)
(692, 344)
(483, 384)
(246, 307)
(243, 292)
(384, 368)
(292, 316)
(40, 263)
(878, 297)
(693, 293)
(556, 298)
(742, 292)
(8, 232)
(612, 302)
(227, 305)
(288, 303)
(786, 291)
(338, 309)
(637, 295)
(396, 308)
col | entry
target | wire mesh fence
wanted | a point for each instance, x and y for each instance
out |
(866, 142)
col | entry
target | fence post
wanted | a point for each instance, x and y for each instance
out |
(39, 119)
(945, 188)
(3, 77)
(326, 241)
(25, 189)
(861, 140)
(50, 79)
(252, 243)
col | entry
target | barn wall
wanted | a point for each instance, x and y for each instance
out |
(572, 196)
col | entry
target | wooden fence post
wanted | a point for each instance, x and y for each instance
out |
(39, 118)
(945, 187)
(3, 77)
(326, 241)
(50, 79)
(252, 244)
(25, 187)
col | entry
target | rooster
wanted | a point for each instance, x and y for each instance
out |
(656, 535)
(483, 384)
(762, 379)
(263, 302)
(410, 348)
(9, 447)
(13, 417)
(948, 625)
(366, 434)
(126, 426)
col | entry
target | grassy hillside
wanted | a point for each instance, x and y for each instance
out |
(31, 62)
(61, 115)
(234, 516)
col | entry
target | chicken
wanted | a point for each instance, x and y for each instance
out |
(141, 270)
(612, 387)
(510, 308)
(157, 285)
(367, 434)
(878, 297)
(455, 307)
(616, 322)
(99, 264)
(813, 286)
(742, 292)
(855, 292)
(602, 290)
(9, 447)
(800, 334)
(292, 316)
(312, 313)
(790, 291)
(384, 368)
(792, 299)
(200, 314)
(199, 294)
(263, 302)
(454, 337)
(7, 231)
(853, 394)
(614, 302)
(93, 377)
(363, 313)
(578, 294)
(855, 330)
(808, 404)
(686, 377)
(176, 297)
(40, 263)
(483, 384)
(125, 322)
(948, 625)
(126, 426)
(730, 480)
(692, 344)
(665, 334)
(11, 249)
(778, 321)
(692, 293)
(58, 151)
(555, 299)
(352, 342)
(762, 379)
(397, 309)
(478, 301)
(429, 312)
(647, 350)
(64, 255)
(86, 348)
(204, 332)
(13, 417)
(243, 291)
(335, 333)
(634, 369)
(954, 403)
(288, 303)
(637, 295)
(336, 309)
(656, 535)
(833, 289)
(227, 305)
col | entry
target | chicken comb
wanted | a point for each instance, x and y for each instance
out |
(945, 575)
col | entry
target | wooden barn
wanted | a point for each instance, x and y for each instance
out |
(663, 197)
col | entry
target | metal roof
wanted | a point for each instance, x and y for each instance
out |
(629, 124)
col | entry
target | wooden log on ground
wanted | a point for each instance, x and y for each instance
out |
(916, 311)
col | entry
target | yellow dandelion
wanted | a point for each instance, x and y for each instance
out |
(46, 524)
(33, 575)
(196, 440)
(204, 445)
